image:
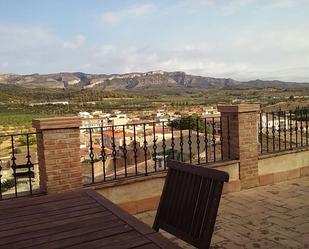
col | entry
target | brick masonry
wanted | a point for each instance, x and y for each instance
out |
(243, 143)
(59, 154)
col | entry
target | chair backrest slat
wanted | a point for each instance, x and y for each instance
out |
(201, 206)
(190, 202)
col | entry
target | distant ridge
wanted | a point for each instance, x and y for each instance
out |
(138, 81)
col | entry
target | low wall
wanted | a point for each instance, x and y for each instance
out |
(143, 194)
(283, 166)
(135, 195)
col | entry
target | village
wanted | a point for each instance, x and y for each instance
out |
(125, 142)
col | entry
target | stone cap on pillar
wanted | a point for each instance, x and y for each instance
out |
(56, 123)
(239, 108)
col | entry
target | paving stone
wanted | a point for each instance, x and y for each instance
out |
(303, 228)
(286, 242)
(217, 239)
(262, 244)
(286, 232)
(298, 212)
(226, 245)
(280, 222)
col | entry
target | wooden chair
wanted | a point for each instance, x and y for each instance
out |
(189, 202)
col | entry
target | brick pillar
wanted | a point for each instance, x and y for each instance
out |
(243, 132)
(59, 153)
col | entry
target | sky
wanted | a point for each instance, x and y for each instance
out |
(239, 39)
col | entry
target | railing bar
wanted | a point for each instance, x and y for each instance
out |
(29, 165)
(110, 126)
(189, 141)
(198, 141)
(91, 155)
(301, 128)
(279, 131)
(221, 138)
(173, 142)
(296, 128)
(285, 123)
(14, 164)
(214, 138)
(145, 151)
(181, 140)
(163, 145)
(154, 147)
(124, 149)
(206, 141)
(267, 133)
(114, 153)
(306, 127)
(135, 149)
(261, 132)
(291, 129)
(273, 131)
(20, 134)
(103, 153)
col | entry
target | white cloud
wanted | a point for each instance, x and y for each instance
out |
(77, 42)
(4, 64)
(277, 3)
(121, 60)
(20, 38)
(113, 17)
(284, 3)
(273, 41)
(230, 7)
(243, 56)
(29, 49)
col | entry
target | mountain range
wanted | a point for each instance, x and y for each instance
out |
(138, 81)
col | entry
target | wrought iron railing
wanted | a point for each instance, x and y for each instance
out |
(140, 149)
(283, 130)
(18, 165)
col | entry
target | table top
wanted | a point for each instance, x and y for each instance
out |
(77, 219)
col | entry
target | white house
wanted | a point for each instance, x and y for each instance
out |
(271, 121)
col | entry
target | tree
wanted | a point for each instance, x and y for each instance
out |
(23, 140)
(193, 122)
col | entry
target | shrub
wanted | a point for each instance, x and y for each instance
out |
(7, 184)
(23, 140)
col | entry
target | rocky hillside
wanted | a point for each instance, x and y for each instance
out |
(274, 84)
(135, 81)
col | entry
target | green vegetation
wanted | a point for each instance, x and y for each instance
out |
(17, 107)
(7, 184)
(193, 122)
(17, 118)
(23, 140)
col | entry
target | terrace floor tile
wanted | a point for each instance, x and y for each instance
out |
(274, 216)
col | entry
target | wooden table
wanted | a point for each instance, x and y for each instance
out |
(79, 219)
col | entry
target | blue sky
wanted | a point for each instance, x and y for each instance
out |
(239, 39)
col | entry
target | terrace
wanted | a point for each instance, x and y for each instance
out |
(272, 216)
(127, 165)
